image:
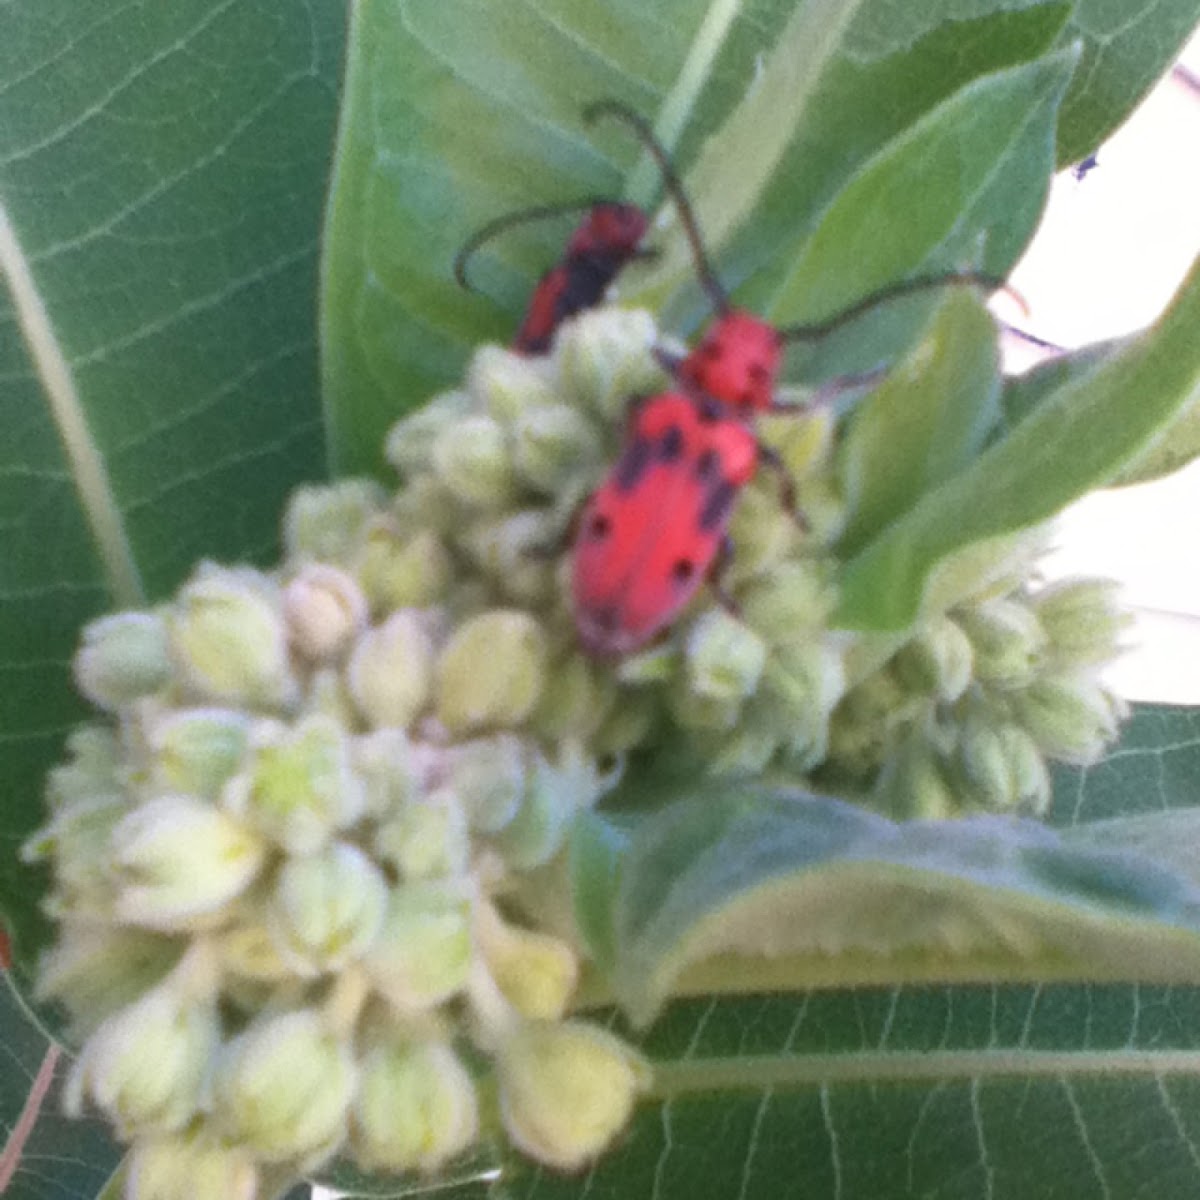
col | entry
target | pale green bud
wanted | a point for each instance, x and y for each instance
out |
(984, 764)
(557, 791)
(96, 970)
(324, 611)
(566, 1090)
(491, 672)
(1070, 719)
(228, 640)
(147, 1066)
(763, 532)
(628, 725)
(1031, 785)
(803, 440)
(78, 840)
(471, 459)
(94, 758)
(789, 602)
(390, 671)
(422, 955)
(513, 551)
(195, 1165)
(426, 839)
(410, 440)
(1082, 620)
(123, 657)
(704, 714)
(487, 776)
(284, 1088)
(415, 1108)
(327, 908)
(807, 680)
(552, 444)
(724, 658)
(606, 356)
(508, 384)
(390, 768)
(247, 951)
(396, 571)
(1006, 641)
(577, 698)
(195, 750)
(912, 784)
(327, 523)
(536, 973)
(938, 661)
(178, 861)
(299, 787)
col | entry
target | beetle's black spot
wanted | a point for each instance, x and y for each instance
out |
(599, 527)
(682, 571)
(631, 466)
(716, 508)
(670, 447)
(709, 411)
(708, 464)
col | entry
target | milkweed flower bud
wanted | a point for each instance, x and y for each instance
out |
(122, 658)
(551, 442)
(575, 701)
(422, 955)
(606, 356)
(913, 783)
(391, 669)
(1031, 785)
(415, 1108)
(284, 1087)
(556, 791)
(324, 609)
(92, 767)
(327, 908)
(471, 459)
(938, 661)
(725, 658)
(177, 862)
(487, 777)
(985, 765)
(228, 640)
(566, 1090)
(790, 601)
(147, 1066)
(427, 839)
(1006, 641)
(192, 1164)
(326, 523)
(195, 750)
(397, 571)
(1082, 620)
(410, 440)
(536, 972)
(507, 384)
(1070, 719)
(78, 841)
(491, 672)
(389, 768)
(298, 787)
(95, 970)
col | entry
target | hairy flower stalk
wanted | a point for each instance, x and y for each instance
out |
(293, 852)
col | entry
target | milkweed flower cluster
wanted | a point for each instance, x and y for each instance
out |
(291, 861)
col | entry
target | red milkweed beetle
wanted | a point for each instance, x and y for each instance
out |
(609, 236)
(658, 524)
